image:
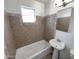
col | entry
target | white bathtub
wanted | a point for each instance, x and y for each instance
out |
(35, 50)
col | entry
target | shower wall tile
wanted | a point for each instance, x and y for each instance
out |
(49, 56)
(9, 42)
(63, 24)
(50, 26)
(26, 33)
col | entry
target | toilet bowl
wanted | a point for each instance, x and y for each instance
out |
(71, 54)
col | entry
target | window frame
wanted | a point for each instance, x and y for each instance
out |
(25, 7)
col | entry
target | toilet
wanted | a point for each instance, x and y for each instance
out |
(71, 54)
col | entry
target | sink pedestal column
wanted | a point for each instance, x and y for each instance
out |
(55, 54)
(58, 46)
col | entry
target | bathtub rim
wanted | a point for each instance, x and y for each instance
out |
(30, 57)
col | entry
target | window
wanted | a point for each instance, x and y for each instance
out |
(58, 3)
(28, 14)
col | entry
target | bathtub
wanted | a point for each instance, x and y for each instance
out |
(36, 50)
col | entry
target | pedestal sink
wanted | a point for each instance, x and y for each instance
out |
(58, 45)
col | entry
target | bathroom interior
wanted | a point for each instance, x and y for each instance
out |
(39, 29)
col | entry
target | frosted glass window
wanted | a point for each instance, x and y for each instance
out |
(28, 15)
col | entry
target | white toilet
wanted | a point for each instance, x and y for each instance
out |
(71, 54)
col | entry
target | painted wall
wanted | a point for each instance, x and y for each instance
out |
(28, 33)
(49, 7)
(71, 29)
(14, 6)
(64, 13)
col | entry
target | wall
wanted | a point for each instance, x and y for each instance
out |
(63, 24)
(50, 26)
(63, 18)
(61, 14)
(67, 37)
(14, 6)
(26, 33)
(50, 20)
(71, 29)
(8, 37)
(64, 13)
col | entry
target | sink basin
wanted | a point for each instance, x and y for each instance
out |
(57, 44)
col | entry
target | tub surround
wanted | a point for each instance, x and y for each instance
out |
(26, 33)
(63, 23)
(49, 56)
(50, 26)
(8, 39)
